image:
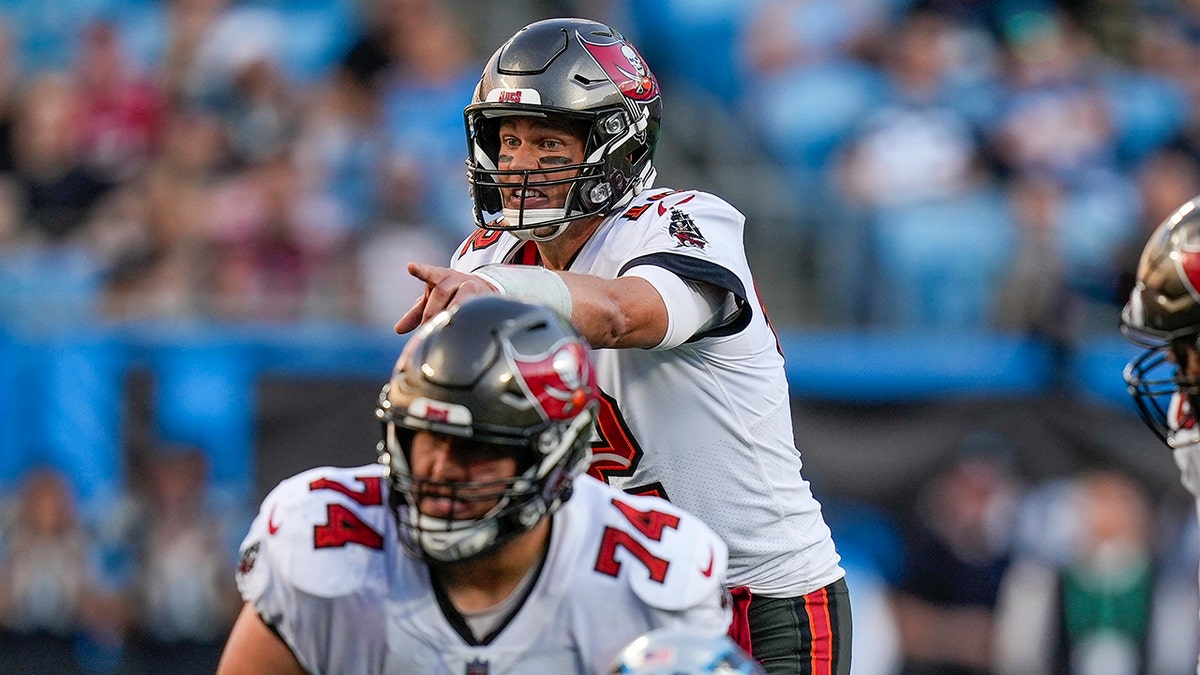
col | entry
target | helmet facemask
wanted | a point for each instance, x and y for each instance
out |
(522, 501)
(1159, 384)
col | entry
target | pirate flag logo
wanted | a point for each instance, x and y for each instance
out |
(684, 229)
(625, 67)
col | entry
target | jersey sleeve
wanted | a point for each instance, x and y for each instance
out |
(311, 547)
(672, 562)
(697, 237)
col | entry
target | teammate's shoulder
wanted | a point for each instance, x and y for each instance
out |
(668, 557)
(321, 531)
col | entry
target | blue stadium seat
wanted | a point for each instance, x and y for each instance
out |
(75, 411)
(1147, 111)
(804, 114)
(205, 397)
(940, 263)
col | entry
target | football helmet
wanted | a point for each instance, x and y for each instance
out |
(502, 373)
(678, 651)
(1163, 316)
(583, 73)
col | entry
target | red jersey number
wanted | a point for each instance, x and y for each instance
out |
(651, 525)
(344, 526)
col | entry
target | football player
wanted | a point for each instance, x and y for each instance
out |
(1163, 316)
(562, 133)
(476, 544)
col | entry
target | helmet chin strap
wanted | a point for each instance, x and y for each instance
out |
(533, 217)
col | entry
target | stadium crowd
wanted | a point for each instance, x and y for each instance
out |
(935, 164)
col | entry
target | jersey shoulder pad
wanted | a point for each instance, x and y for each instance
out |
(669, 558)
(482, 247)
(321, 532)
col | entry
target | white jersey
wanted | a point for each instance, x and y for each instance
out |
(1185, 443)
(706, 424)
(324, 567)
(1184, 436)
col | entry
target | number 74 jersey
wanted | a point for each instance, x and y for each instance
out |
(323, 566)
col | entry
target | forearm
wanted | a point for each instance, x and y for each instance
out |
(616, 313)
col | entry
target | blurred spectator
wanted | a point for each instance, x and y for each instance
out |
(432, 80)
(1034, 296)
(957, 555)
(57, 189)
(917, 175)
(919, 145)
(164, 273)
(183, 594)
(796, 53)
(1168, 178)
(1087, 607)
(1055, 116)
(189, 23)
(50, 595)
(259, 265)
(121, 111)
(342, 152)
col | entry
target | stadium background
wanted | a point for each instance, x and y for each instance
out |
(205, 206)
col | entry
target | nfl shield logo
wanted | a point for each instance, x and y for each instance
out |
(476, 667)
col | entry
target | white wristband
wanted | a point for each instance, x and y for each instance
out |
(529, 283)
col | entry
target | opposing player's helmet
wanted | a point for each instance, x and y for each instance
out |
(1163, 315)
(500, 372)
(578, 70)
(678, 651)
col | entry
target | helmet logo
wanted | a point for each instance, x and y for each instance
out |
(625, 67)
(1189, 264)
(561, 382)
(427, 410)
(530, 96)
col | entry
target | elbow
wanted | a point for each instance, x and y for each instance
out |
(617, 329)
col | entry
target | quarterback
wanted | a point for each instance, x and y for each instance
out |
(694, 403)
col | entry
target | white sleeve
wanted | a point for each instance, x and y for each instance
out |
(691, 306)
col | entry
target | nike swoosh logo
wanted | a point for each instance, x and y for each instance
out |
(708, 571)
(273, 527)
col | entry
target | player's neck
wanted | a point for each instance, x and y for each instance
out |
(558, 252)
(484, 582)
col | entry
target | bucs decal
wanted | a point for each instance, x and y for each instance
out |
(247, 559)
(1188, 263)
(561, 381)
(684, 229)
(625, 67)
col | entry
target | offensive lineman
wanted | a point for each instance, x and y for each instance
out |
(475, 545)
(695, 407)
